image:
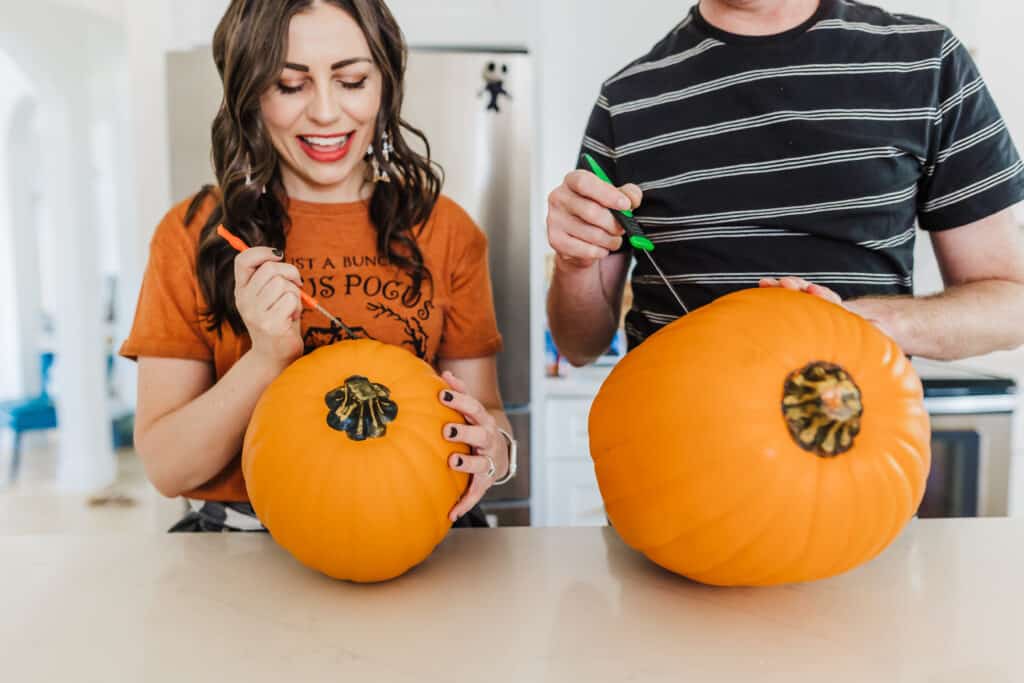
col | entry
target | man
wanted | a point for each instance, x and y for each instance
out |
(796, 143)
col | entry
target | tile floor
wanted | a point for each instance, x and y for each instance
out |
(34, 505)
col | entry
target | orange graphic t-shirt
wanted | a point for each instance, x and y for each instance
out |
(334, 248)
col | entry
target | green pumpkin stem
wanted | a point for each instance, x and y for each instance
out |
(822, 407)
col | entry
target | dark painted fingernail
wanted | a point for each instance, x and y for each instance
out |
(453, 432)
(448, 397)
(458, 461)
(277, 252)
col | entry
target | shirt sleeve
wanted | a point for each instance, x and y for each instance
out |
(168, 321)
(973, 169)
(599, 142)
(470, 325)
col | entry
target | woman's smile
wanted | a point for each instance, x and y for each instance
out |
(326, 149)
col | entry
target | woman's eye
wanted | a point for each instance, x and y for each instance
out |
(354, 85)
(289, 89)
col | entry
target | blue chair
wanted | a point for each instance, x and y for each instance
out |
(27, 415)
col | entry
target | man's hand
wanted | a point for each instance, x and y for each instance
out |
(581, 229)
(798, 284)
(874, 311)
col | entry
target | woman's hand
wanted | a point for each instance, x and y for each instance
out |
(267, 296)
(481, 435)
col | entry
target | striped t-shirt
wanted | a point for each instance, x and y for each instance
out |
(812, 153)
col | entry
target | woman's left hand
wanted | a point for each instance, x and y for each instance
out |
(481, 435)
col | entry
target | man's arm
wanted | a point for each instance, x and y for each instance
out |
(584, 306)
(585, 298)
(982, 307)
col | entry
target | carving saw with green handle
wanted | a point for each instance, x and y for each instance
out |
(637, 239)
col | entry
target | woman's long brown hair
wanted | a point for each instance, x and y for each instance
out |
(250, 48)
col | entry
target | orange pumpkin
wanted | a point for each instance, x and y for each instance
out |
(770, 437)
(346, 463)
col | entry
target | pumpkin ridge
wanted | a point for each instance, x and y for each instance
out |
(411, 465)
(922, 467)
(754, 536)
(850, 554)
(402, 517)
(697, 525)
(655, 484)
(769, 578)
(797, 566)
(867, 531)
(820, 530)
(890, 521)
(306, 500)
(265, 508)
(893, 465)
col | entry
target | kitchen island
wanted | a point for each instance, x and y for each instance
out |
(527, 605)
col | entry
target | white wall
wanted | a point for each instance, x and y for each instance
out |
(107, 9)
(492, 23)
(16, 93)
(581, 44)
(23, 182)
(990, 29)
(997, 36)
(74, 82)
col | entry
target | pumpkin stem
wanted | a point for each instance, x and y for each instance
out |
(360, 408)
(822, 407)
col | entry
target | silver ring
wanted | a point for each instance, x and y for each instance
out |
(492, 469)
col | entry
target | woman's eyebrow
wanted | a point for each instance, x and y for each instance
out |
(337, 65)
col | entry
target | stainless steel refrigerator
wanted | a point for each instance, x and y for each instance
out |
(474, 107)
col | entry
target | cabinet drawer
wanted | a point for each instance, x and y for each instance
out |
(574, 498)
(566, 429)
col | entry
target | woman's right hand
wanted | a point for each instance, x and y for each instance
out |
(581, 228)
(267, 297)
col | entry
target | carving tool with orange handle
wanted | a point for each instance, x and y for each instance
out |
(307, 300)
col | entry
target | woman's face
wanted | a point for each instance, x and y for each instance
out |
(322, 112)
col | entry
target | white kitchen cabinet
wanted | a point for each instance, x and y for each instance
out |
(574, 498)
(1015, 503)
(566, 437)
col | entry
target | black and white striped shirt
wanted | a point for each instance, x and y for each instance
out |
(812, 153)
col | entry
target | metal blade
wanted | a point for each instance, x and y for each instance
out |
(667, 283)
(342, 326)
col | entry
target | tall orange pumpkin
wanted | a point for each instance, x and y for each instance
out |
(770, 437)
(346, 464)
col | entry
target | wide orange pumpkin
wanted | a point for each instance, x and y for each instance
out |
(770, 437)
(346, 464)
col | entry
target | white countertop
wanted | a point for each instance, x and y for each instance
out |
(942, 604)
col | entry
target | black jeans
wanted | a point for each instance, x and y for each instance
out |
(212, 517)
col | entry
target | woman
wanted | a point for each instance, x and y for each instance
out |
(314, 171)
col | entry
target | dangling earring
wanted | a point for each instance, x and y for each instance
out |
(379, 175)
(385, 141)
(248, 178)
(374, 166)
